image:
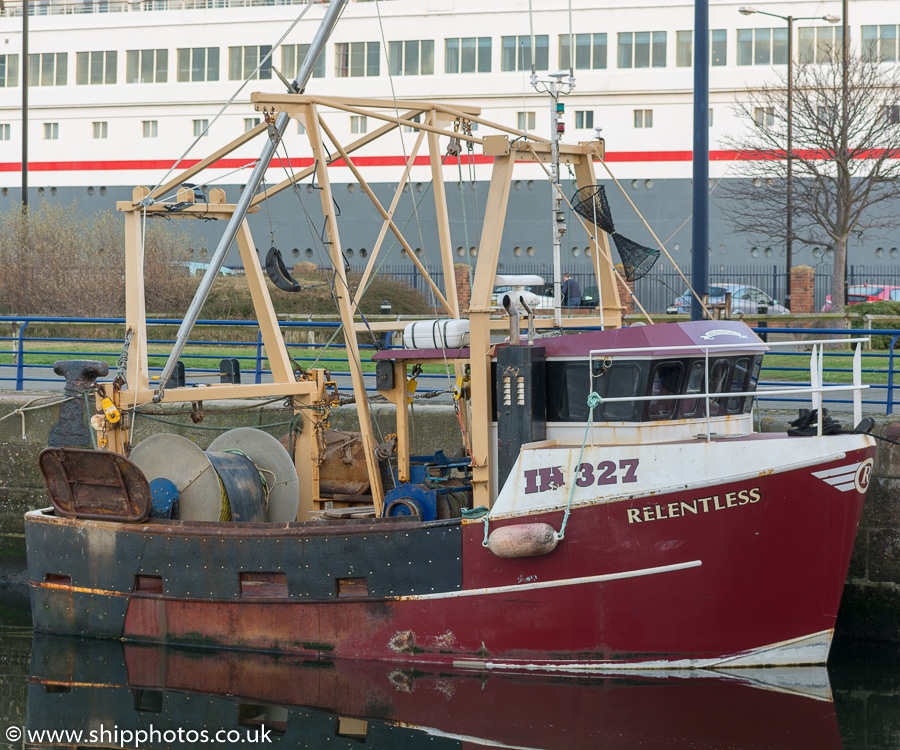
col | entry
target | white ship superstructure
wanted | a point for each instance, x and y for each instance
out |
(118, 91)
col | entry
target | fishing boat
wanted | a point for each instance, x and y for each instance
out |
(613, 507)
(151, 696)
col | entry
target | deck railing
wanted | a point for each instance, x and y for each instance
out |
(816, 390)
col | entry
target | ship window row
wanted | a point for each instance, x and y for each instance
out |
(635, 49)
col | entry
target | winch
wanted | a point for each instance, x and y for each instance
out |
(433, 491)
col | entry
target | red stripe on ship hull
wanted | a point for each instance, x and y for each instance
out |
(771, 571)
(384, 161)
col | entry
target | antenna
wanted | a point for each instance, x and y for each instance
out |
(556, 88)
(531, 43)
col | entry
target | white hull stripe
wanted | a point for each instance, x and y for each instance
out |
(558, 583)
(842, 478)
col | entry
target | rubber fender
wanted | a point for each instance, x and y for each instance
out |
(278, 273)
(523, 540)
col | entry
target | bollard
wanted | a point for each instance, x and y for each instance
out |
(72, 428)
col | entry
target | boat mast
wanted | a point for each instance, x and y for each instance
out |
(556, 88)
(218, 258)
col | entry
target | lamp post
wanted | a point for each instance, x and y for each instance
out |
(23, 67)
(748, 10)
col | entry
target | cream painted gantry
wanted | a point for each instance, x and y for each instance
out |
(437, 120)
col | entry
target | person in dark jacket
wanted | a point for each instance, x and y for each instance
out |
(571, 292)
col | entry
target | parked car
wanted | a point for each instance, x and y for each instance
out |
(867, 293)
(744, 299)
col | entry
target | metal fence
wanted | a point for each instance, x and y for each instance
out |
(659, 288)
(23, 357)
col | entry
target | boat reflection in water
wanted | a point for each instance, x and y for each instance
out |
(96, 686)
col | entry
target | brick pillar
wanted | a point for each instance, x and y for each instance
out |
(626, 291)
(803, 279)
(463, 286)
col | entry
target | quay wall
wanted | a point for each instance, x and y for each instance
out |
(871, 605)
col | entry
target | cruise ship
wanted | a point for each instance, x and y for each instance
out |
(120, 90)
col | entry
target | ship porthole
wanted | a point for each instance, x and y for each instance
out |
(363, 252)
(309, 252)
(895, 253)
(754, 252)
(460, 251)
(296, 252)
(530, 252)
(517, 251)
(90, 191)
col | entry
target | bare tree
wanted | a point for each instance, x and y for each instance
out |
(846, 158)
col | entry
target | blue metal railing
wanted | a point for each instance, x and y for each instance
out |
(870, 356)
(18, 352)
(301, 352)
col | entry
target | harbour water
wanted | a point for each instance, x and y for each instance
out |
(119, 695)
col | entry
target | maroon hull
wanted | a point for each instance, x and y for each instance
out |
(761, 573)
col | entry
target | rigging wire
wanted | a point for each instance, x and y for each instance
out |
(234, 96)
(402, 140)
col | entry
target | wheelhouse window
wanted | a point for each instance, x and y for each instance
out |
(739, 377)
(718, 381)
(619, 381)
(694, 407)
(665, 381)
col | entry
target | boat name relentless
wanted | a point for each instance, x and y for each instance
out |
(700, 505)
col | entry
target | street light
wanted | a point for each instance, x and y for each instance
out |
(747, 10)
